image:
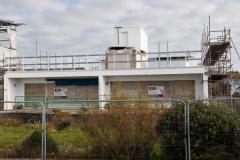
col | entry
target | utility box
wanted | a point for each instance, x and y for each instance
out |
(125, 58)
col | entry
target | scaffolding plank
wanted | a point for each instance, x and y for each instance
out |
(217, 76)
(214, 52)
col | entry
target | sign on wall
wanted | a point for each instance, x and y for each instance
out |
(156, 91)
(60, 92)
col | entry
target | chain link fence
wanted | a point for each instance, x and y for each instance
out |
(22, 134)
(122, 129)
(215, 129)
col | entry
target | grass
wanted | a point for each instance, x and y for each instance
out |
(70, 137)
(73, 143)
(13, 136)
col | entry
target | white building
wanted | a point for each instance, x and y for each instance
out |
(131, 36)
(62, 77)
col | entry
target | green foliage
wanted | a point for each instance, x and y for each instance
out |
(217, 153)
(20, 106)
(12, 136)
(64, 124)
(156, 153)
(61, 119)
(72, 144)
(214, 125)
(211, 125)
(170, 130)
(31, 146)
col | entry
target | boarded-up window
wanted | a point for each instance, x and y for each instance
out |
(35, 89)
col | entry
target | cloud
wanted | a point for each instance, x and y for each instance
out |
(73, 26)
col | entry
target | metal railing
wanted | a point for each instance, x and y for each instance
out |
(102, 61)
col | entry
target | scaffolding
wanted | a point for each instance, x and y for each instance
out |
(216, 56)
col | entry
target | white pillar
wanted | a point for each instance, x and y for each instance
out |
(198, 89)
(6, 82)
(205, 86)
(101, 91)
(9, 93)
(107, 90)
(201, 87)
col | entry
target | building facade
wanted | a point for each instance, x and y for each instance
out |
(124, 69)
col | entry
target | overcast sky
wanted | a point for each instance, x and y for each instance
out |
(86, 26)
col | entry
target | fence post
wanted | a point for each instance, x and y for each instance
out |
(185, 131)
(188, 132)
(44, 131)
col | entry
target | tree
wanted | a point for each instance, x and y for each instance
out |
(212, 126)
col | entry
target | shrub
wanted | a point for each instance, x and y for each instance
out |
(64, 124)
(122, 132)
(34, 123)
(211, 126)
(61, 120)
(19, 106)
(12, 122)
(216, 152)
(156, 153)
(31, 146)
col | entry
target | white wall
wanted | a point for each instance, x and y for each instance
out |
(16, 87)
(165, 63)
(137, 37)
(15, 81)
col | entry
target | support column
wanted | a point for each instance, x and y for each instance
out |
(101, 91)
(198, 89)
(9, 93)
(205, 86)
(201, 87)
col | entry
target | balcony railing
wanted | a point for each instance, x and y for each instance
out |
(100, 62)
